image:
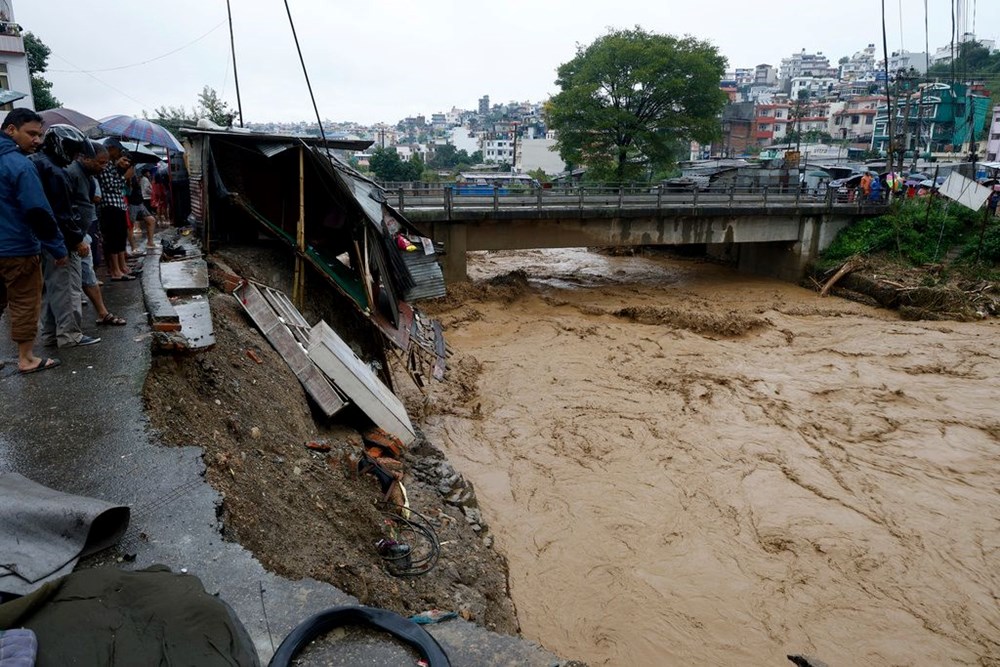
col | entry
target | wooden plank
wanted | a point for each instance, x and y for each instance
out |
(358, 382)
(196, 323)
(315, 382)
(184, 276)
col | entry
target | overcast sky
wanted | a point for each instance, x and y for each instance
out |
(382, 60)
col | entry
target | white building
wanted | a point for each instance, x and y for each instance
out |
(859, 66)
(14, 74)
(463, 139)
(993, 138)
(541, 154)
(904, 60)
(806, 64)
(815, 85)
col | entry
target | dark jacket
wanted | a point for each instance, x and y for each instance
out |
(26, 221)
(57, 190)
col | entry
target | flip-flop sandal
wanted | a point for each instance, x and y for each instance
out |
(43, 365)
(111, 320)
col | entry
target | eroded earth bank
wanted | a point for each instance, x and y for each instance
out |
(684, 465)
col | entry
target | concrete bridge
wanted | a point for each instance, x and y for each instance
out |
(765, 232)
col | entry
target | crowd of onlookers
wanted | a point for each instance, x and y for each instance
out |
(67, 208)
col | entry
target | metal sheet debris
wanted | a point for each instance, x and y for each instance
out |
(358, 382)
(279, 335)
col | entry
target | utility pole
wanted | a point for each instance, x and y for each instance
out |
(513, 134)
(236, 75)
(888, 100)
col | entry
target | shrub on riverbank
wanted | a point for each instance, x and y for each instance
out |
(914, 232)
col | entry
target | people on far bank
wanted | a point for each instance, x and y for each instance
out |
(27, 227)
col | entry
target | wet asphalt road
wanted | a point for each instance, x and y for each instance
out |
(80, 428)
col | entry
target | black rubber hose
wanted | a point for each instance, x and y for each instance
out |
(396, 625)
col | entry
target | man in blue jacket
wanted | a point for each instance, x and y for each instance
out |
(26, 226)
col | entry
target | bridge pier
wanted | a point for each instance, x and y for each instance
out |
(785, 260)
(456, 243)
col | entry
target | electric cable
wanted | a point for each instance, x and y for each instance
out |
(100, 81)
(140, 64)
(305, 72)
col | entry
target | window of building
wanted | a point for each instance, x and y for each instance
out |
(4, 81)
(855, 120)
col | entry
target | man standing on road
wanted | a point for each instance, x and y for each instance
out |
(81, 182)
(26, 226)
(60, 324)
(114, 221)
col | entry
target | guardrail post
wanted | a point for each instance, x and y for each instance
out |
(695, 198)
(538, 192)
(621, 197)
(829, 197)
(496, 198)
(798, 193)
(581, 200)
(765, 196)
(731, 189)
(659, 196)
(447, 202)
(399, 194)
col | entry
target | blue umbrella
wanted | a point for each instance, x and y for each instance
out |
(140, 129)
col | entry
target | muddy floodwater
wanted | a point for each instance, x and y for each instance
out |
(685, 465)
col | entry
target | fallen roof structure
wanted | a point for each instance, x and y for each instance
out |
(333, 219)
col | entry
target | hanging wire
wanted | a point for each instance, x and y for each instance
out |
(305, 72)
(144, 62)
(100, 81)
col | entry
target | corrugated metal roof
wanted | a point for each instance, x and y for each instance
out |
(271, 149)
(257, 137)
(427, 276)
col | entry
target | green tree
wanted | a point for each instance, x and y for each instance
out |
(38, 61)
(387, 166)
(210, 106)
(172, 118)
(627, 98)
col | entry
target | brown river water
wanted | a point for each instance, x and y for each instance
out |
(686, 465)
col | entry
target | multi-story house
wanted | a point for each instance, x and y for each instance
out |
(770, 123)
(856, 121)
(907, 60)
(497, 144)
(939, 118)
(859, 66)
(993, 138)
(15, 79)
(764, 75)
(806, 64)
(815, 86)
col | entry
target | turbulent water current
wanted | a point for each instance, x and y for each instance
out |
(688, 466)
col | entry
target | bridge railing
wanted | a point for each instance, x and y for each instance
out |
(450, 198)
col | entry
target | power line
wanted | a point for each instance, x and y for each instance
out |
(100, 81)
(144, 62)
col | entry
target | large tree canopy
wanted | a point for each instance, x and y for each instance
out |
(627, 99)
